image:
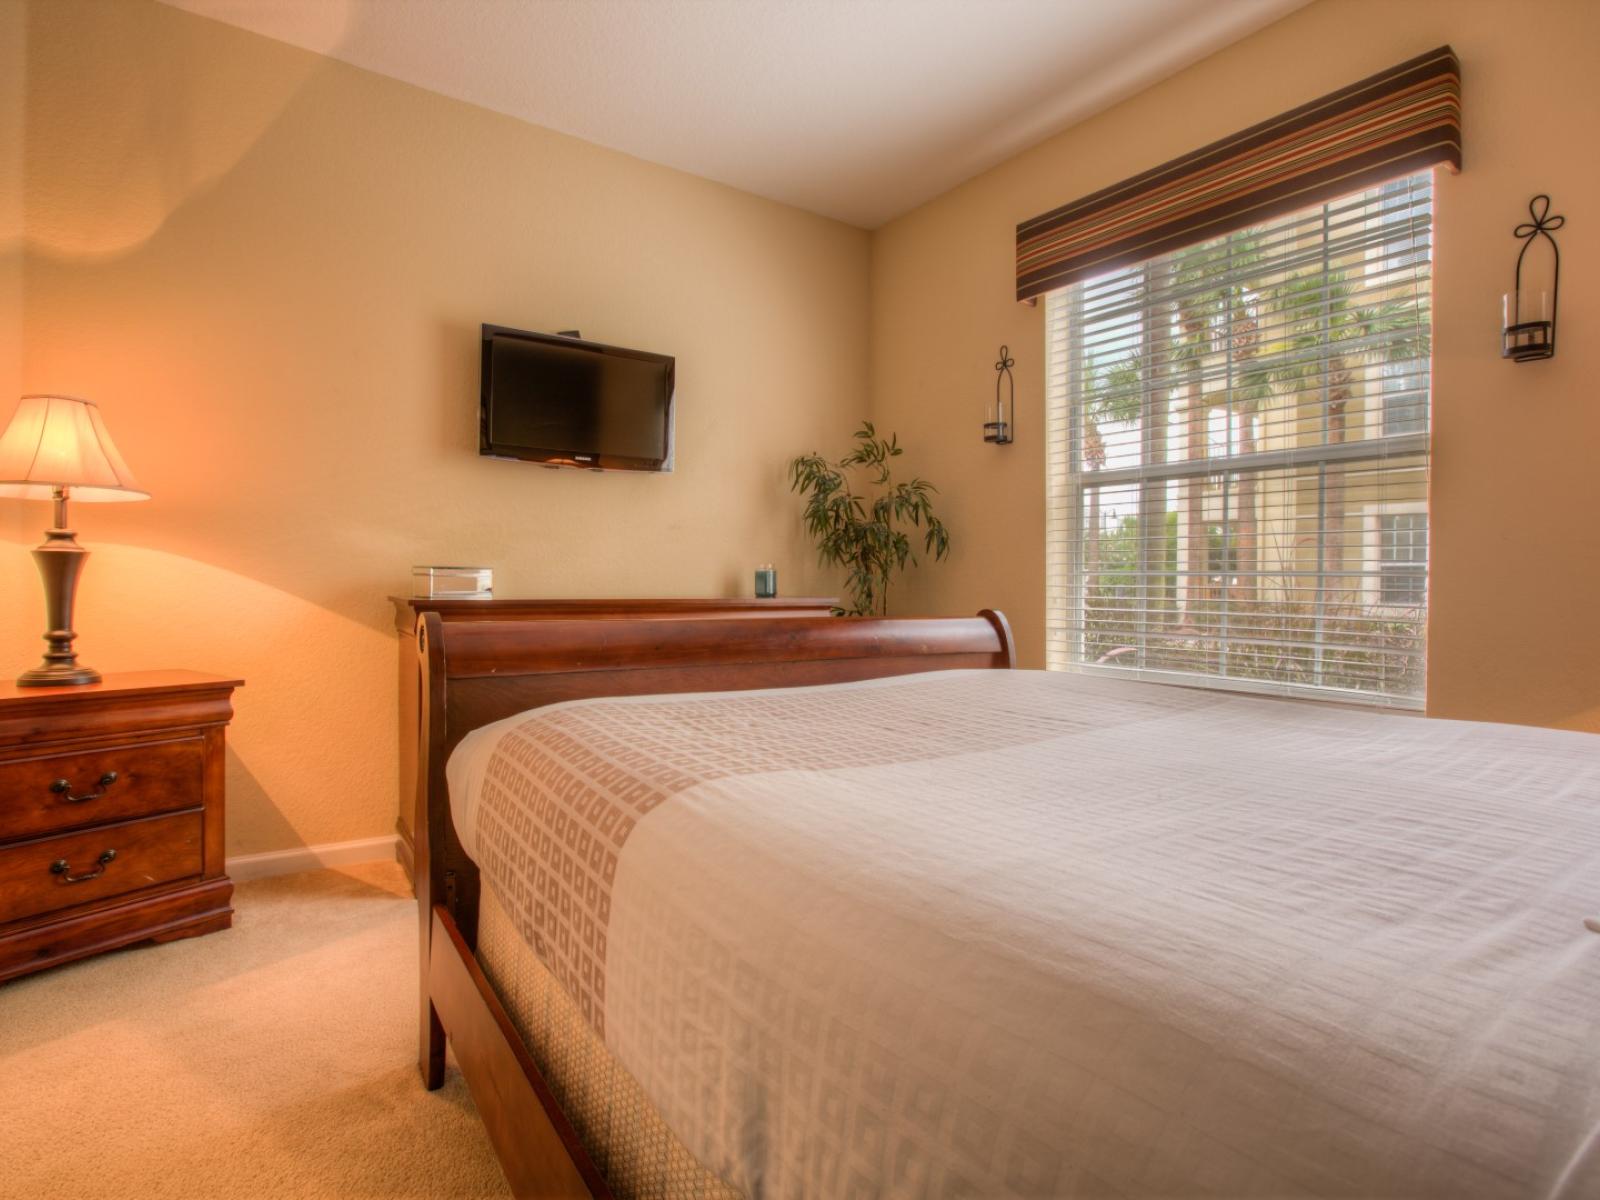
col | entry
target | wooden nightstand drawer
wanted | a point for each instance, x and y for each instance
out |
(88, 862)
(75, 868)
(89, 787)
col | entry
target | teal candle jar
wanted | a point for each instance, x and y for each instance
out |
(766, 582)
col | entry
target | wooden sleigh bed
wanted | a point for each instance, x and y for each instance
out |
(926, 931)
(475, 673)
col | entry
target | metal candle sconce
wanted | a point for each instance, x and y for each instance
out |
(999, 431)
(1530, 318)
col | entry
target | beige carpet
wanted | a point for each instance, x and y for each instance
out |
(276, 1059)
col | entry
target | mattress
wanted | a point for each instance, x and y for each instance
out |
(1019, 934)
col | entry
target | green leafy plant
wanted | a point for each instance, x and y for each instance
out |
(867, 535)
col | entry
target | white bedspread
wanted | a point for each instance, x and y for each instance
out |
(990, 933)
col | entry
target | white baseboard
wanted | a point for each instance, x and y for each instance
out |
(309, 858)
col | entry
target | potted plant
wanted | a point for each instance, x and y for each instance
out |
(867, 535)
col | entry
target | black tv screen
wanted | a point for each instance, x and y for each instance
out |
(565, 402)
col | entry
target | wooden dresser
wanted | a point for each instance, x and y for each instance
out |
(111, 815)
(409, 609)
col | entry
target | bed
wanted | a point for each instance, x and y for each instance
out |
(900, 926)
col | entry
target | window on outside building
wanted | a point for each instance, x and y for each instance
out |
(1238, 456)
(1403, 559)
(1222, 554)
(1405, 396)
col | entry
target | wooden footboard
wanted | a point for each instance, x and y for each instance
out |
(473, 673)
(537, 1147)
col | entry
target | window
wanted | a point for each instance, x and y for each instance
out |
(1403, 559)
(1405, 397)
(1222, 553)
(1238, 457)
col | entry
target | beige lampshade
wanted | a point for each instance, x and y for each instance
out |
(60, 441)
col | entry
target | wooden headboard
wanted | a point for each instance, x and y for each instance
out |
(409, 611)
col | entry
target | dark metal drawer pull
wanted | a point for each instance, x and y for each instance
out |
(62, 868)
(63, 788)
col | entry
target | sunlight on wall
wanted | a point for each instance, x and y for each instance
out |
(296, 775)
(101, 150)
(321, 26)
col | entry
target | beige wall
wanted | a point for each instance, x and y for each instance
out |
(269, 268)
(1516, 496)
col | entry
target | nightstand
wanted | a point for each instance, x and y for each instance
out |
(111, 815)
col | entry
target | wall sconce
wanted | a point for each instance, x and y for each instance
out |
(999, 424)
(1529, 317)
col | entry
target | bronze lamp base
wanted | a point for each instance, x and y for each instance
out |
(60, 561)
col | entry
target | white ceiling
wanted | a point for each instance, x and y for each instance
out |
(856, 109)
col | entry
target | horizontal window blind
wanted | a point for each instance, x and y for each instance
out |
(1237, 450)
(1395, 123)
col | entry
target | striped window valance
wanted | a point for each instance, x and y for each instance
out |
(1397, 122)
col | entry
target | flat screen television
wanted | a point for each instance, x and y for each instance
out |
(564, 402)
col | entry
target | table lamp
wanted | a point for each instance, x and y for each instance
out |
(57, 448)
